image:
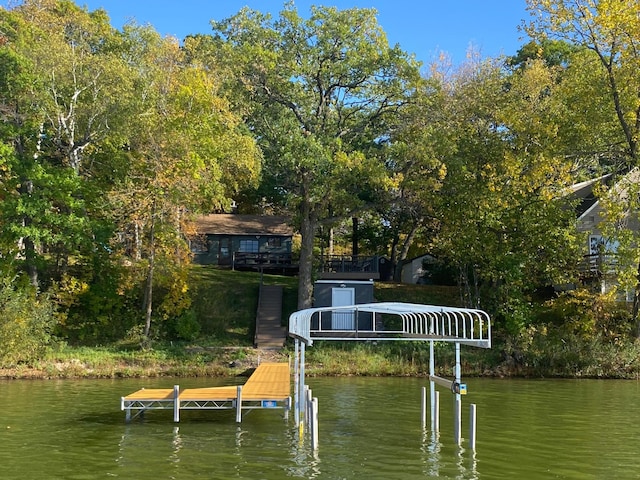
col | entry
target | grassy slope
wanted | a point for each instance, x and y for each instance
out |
(227, 301)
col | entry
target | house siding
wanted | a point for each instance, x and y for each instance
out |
(265, 244)
(221, 236)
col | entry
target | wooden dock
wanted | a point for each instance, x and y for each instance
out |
(269, 386)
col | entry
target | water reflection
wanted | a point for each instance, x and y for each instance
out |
(177, 445)
(467, 473)
(305, 461)
(431, 452)
(437, 459)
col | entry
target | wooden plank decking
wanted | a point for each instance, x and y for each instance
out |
(269, 386)
(270, 381)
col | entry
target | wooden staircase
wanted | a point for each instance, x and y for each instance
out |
(269, 331)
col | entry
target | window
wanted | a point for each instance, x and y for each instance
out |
(601, 245)
(274, 242)
(248, 246)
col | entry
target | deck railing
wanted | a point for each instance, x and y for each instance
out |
(598, 264)
(242, 259)
(349, 264)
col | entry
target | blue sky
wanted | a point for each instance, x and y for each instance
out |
(422, 27)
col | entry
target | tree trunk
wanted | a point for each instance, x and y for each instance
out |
(331, 240)
(137, 242)
(394, 255)
(149, 287)
(354, 238)
(636, 305)
(399, 260)
(308, 226)
(27, 242)
(30, 260)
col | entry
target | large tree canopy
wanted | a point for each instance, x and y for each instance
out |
(112, 139)
(324, 90)
(115, 138)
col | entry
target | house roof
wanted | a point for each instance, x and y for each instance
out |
(236, 224)
(583, 191)
(618, 185)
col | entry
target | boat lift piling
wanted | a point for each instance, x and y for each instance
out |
(458, 389)
(419, 323)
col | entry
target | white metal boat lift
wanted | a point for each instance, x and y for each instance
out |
(390, 321)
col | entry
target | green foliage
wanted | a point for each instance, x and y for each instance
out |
(187, 326)
(513, 315)
(583, 314)
(26, 323)
(99, 311)
(554, 53)
(112, 139)
(321, 92)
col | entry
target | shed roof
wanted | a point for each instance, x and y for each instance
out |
(237, 224)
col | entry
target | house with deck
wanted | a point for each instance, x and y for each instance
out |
(254, 242)
(600, 255)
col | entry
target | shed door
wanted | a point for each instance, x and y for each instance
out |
(343, 320)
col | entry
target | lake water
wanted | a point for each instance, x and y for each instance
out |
(369, 429)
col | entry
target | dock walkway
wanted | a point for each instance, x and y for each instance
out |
(269, 386)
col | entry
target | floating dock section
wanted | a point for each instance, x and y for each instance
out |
(269, 386)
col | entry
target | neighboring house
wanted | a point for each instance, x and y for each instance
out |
(589, 212)
(600, 252)
(242, 241)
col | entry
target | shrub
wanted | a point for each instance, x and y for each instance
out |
(26, 322)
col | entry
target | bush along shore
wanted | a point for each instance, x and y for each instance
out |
(566, 358)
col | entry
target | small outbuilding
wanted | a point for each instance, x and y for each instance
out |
(339, 293)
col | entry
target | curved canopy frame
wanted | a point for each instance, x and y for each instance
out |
(418, 322)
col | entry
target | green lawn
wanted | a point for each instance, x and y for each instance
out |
(226, 301)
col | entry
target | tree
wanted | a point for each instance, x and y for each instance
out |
(323, 91)
(555, 53)
(60, 87)
(188, 153)
(502, 215)
(416, 153)
(611, 31)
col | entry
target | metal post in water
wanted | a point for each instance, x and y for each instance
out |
(301, 386)
(239, 404)
(314, 423)
(435, 419)
(423, 409)
(287, 408)
(308, 400)
(128, 410)
(457, 421)
(432, 386)
(457, 428)
(457, 368)
(296, 380)
(472, 427)
(176, 403)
